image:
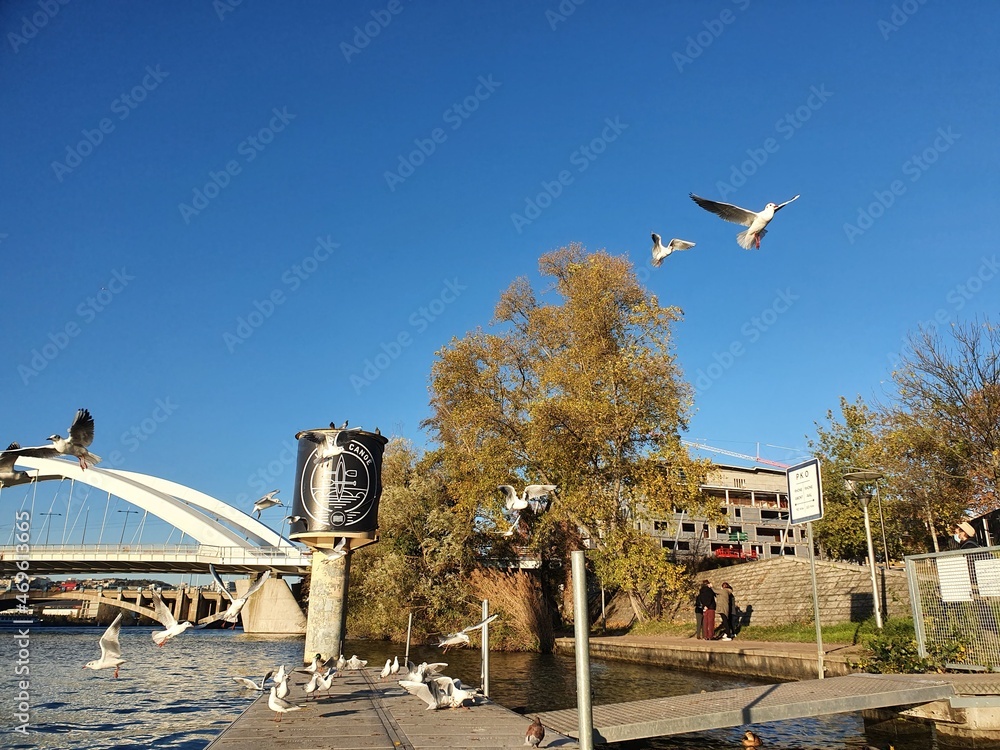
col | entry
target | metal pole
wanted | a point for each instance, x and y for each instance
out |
(871, 562)
(581, 627)
(83, 536)
(881, 520)
(409, 627)
(819, 626)
(485, 667)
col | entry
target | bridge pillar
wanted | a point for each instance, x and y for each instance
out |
(326, 624)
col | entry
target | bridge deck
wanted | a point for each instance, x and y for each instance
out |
(729, 708)
(363, 714)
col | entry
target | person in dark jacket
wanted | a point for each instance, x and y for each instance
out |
(726, 607)
(706, 598)
(965, 535)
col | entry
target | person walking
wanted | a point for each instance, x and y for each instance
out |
(706, 598)
(726, 607)
(699, 616)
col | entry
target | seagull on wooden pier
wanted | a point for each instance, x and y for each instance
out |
(535, 733)
(661, 251)
(394, 669)
(111, 650)
(386, 670)
(756, 221)
(81, 435)
(167, 620)
(268, 501)
(355, 663)
(280, 705)
(250, 684)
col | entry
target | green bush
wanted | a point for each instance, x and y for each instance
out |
(893, 649)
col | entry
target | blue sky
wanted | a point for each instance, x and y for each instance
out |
(224, 223)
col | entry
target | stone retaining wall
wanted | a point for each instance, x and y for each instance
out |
(779, 590)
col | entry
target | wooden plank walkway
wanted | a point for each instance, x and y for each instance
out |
(362, 714)
(729, 708)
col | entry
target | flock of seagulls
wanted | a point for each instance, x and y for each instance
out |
(81, 435)
(756, 221)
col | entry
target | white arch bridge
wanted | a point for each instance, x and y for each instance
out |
(218, 533)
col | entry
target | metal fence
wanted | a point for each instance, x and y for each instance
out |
(956, 605)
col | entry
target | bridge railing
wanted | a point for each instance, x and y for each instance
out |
(91, 551)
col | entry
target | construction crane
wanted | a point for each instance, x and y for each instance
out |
(755, 459)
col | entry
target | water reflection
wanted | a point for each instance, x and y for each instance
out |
(182, 695)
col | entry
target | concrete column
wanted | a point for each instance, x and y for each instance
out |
(327, 617)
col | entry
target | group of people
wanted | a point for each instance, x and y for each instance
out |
(708, 604)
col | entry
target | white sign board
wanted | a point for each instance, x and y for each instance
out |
(805, 492)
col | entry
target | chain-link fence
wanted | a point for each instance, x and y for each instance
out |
(956, 606)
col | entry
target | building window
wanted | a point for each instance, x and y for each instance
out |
(736, 513)
(689, 527)
(739, 482)
(661, 525)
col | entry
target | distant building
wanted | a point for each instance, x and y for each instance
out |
(754, 502)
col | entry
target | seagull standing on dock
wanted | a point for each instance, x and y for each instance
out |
(661, 251)
(167, 619)
(111, 650)
(236, 605)
(280, 705)
(394, 669)
(756, 221)
(355, 663)
(535, 733)
(81, 435)
(268, 501)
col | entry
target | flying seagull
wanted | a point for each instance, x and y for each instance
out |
(268, 501)
(429, 692)
(250, 684)
(8, 474)
(756, 221)
(661, 251)
(535, 733)
(337, 552)
(236, 604)
(167, 620)
(531, 492)
(461, 638)
(81, 434)
(329, 444)
(111, 651)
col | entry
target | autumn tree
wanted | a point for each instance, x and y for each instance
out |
(948, 394)
(575, 386)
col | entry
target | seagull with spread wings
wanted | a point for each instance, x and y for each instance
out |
(268, 501)
(531, 492)
(167, 620)
(755, 220)
(8, 458)
(81, 435)
(661, 251)
(330, 444)
(236, 604)
(111, 650)
(461, 638)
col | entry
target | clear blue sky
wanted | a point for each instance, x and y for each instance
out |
(215, 216)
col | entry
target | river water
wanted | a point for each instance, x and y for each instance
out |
(182, 695)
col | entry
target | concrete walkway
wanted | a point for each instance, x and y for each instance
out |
(762, 659)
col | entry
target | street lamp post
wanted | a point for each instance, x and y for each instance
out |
(868, 476)
(48, 524)
(126, 512)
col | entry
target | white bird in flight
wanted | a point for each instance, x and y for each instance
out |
(111, 651)
(531, 492)
(268, 501)
(661, 251)
(81, 434)
(756, 221)
(236, 604)
(8, 474)
(461, 638)
(250, 684)
(337, 552)
(167, 619)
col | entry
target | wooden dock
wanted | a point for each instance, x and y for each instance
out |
(730, 708)
(363, 714)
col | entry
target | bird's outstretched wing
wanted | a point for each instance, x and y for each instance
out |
(163, 614)
(782, 205)
(110, 647)
(9, 457)
(219, 583)
(81, 431)
(726, 211)
(478, 625)
(537, 490)
(681, 244)
(255, 587)
(428, 692)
